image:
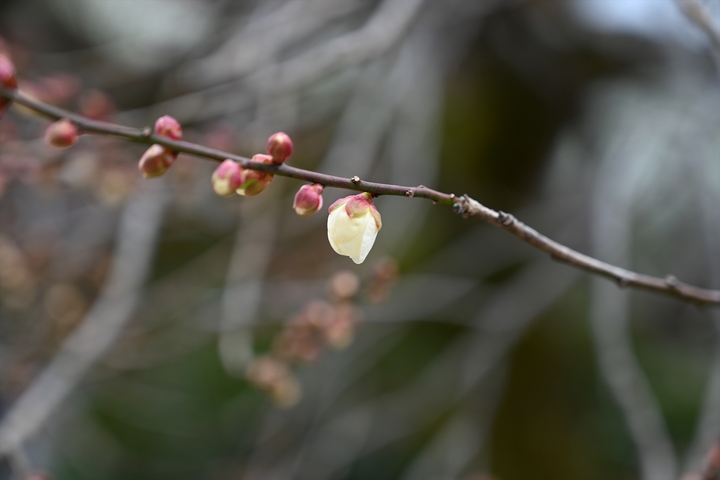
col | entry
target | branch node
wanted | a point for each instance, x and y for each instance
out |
(355, 180)
(623, 282)
(505, 218)
(410, 194)
(672, 282)
(146, 132)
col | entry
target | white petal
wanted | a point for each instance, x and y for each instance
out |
(367, 240)
(338, 225)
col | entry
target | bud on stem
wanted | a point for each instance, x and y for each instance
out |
(156, 160)
(353, 224)
(62, 133)
(255, 181)
(227, 178)
(279, 147)
(308, 199)
(8, 79)
(167, 126)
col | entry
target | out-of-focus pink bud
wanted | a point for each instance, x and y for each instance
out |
(340, 331)
(227, 178)
(167, 126)
(273, 377)
(156, 160)
(279, 147)
(7, 80)
(62, 133)
(8, 77)
(344, 285)
(255, 181)
(38, 476)
(308, 199)
(96, 105)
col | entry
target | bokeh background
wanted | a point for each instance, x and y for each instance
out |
(152, 330)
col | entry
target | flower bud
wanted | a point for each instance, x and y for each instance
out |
(344, 285)
(340, 331)
(96, 105)
(62, 133)
(156, 160)
(308, 199)
(353, 224)
(279, 146)
(8, 80)
(273, 377)
(167, 126)
(255, 181)
(8, 77)
(227, 178)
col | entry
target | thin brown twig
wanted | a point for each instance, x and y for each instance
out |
(670, 285)
(464, 205)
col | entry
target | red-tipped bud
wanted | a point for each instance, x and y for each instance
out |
(7, 80)
(62, 133)
(156, 160)
(7, 73)
(255, 181)
(308, 199)
(227, 178)
(167, 126)
(279, 146)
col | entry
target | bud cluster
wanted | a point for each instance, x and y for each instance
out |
(320, 324)
(157, 159)
(231, 177)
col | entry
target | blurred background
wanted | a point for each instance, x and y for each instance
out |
(150, 329)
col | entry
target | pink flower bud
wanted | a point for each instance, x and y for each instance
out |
(8, 80)
(255, 181)
(7, 73)
(279, 146)
(62, 133)
(308, 199)
(156, 160)
(167, 126)
(96, 105)
(227, 178)
(273, 377)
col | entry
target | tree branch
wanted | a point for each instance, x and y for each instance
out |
(464, 205)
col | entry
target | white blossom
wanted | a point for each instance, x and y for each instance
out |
(353, 224)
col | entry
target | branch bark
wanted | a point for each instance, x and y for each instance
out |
(463, 205)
